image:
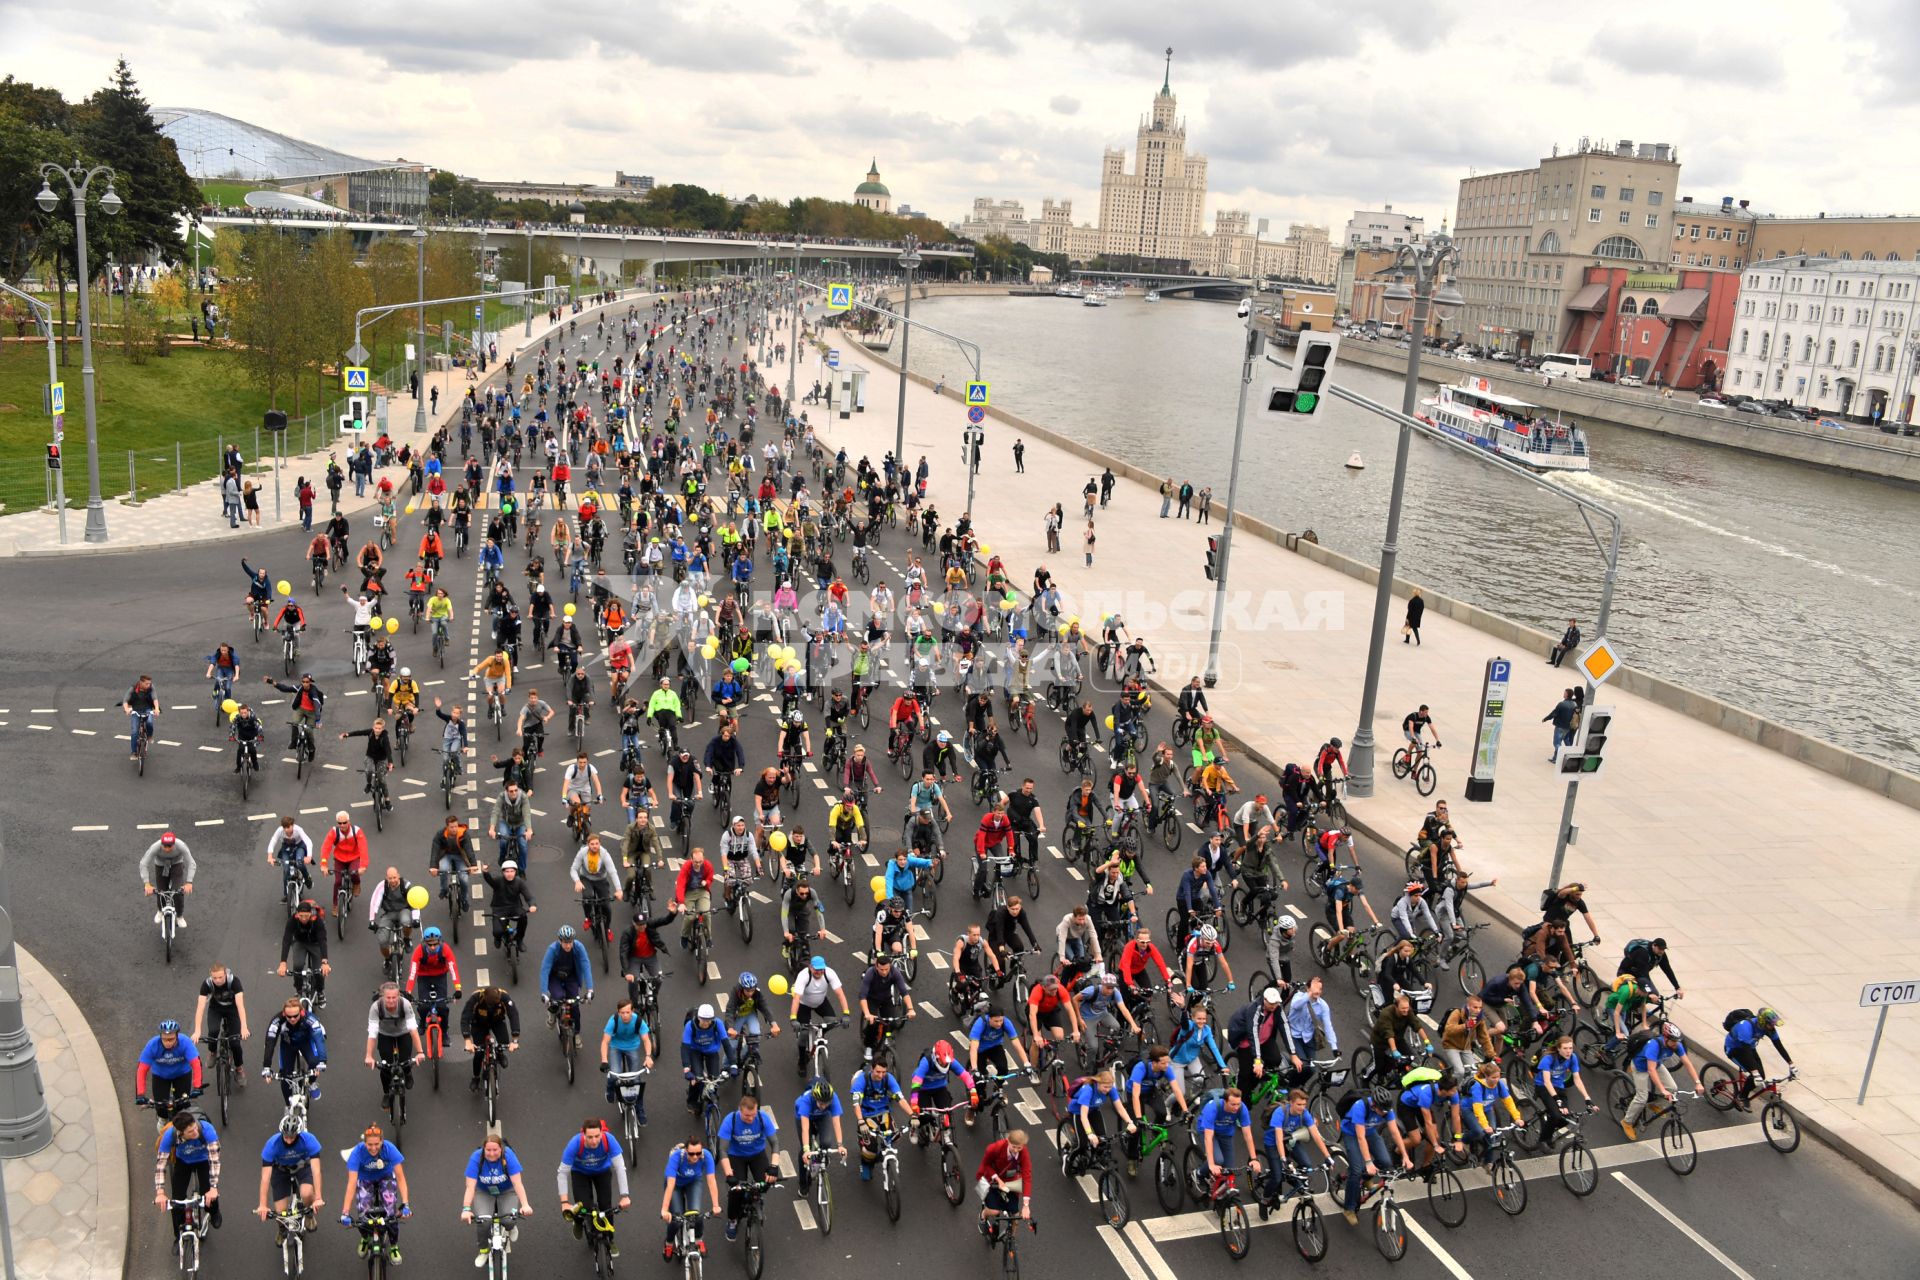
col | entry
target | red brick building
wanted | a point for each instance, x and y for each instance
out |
(1670, 327)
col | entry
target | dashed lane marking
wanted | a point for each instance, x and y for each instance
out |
(96, 827)
(210, 822)
(89, 733)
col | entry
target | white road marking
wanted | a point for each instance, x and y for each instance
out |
(148, 826)
(260, 817)
(100, 827)
(1137, 1237)
(337, 768)
(803, 1210)
(203, 746)
(319, 808)
(166, 742)
(1121, 1254)
(210, 822)
(1446, 1259)
(1682, 1227)
(41, 728)
(89, 733)
(92, 710)
(481, 977)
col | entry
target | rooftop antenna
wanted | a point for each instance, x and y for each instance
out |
(1166, 82)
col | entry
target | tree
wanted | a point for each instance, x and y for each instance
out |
(34, 128)
(264, 327)
(119, 131)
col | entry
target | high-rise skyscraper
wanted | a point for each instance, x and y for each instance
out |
(1155, 211)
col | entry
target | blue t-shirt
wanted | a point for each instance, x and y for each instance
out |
(984, 1036)
(189, 1150)
(374, 1167)
(626, 1036)
(1145, 1076)
(873, 1097)
(1423, 1097)
(1654, 1050)
(1221, 1123)
(742, 1137)
(1286, 1127)
(707, 1039)
(805, 1108)
(1484, 1095)
(1362, 1113)
(170, 1064)
(1560, 1070)
(683, 1171)
(1091, 1095)
(584, 1159)
(493, 1176)
(290, 1155)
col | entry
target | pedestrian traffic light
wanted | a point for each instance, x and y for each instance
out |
(1213, 559)
(357, 410)
(53, 457)
(1595, 727)
(1307, 381)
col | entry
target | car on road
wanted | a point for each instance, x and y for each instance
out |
(1713, 402)
(1751, 406)
(1466, 357)
(1631, 380)
(1504, 357)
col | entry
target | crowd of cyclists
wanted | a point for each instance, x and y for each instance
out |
(638, 521)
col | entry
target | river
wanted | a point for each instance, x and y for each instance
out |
(1787, 590)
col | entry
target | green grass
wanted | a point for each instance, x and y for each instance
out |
(188, 397)
(227, 193)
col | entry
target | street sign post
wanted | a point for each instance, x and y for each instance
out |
(976, 415)
(357, 354)
(57, 399)
(1598, 661)
(1882, 996)
(833, 357)
(977, 394)
(839, 297)
(1486, 742)
(354, 378)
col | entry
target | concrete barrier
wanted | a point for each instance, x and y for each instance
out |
(1882, 779)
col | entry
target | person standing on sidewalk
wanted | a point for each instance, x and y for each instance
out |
(1186, 499)
(1568, 643)
(230, 498)
(433, 400)
(1054, 519)
(1088, 539)
(250, 502)
(1204, 503)
(1562, 717)
(304, 495)
(1019, 456)
(336, 480)
(1166, 497)
(1416, 610)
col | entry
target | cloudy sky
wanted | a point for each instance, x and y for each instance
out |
(1307, 110)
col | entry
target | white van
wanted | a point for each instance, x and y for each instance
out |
(1559, 365)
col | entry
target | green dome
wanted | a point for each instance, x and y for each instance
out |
(871, 189)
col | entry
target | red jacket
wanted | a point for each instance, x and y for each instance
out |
(1001, 1163)
(686, 872)
(446, 963)
(995, 828)
(1135, 958)
(349, 853)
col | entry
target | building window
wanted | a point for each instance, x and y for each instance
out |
(1653, 220)
(1619, 247)
(1654, 198)
(1626, 217)
(1550, 243)
(1766, 342)
(1723, 261)
(1739, 376)
(1627, 194)
(1693, 232)
(1599, 192)
(1741, 238)
(1743, 342)
(1627, 307)
(1593, 215)
(1830, 350)
(1853, 357)
(1806, 352)
(1651, 307)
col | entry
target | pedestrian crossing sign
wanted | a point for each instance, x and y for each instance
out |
(840, 297)
(354, 377)
(977, 394)
(57, 399)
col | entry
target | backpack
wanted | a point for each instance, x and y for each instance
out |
(1636, 944)
(1346, 1100)
(1734, 1018)
(1635, 1043)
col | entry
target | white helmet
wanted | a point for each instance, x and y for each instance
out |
(1288, 923)
(406, 673)
(704, 1013)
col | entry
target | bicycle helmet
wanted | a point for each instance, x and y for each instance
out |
(747, 980)
(896, 903)
(1768, 1018)
(290, 1127)
(822, 1090)
(406, 673)
(1668, 1031)
(167, 838)
(566, 933)
(944, 736)
(1624, 985)
(431, 935)
(704, 1013)
(1416, 886)
(1209, 934)
(168, 1027)
(942, 1054)
(1382, 1098)
(1287, 923)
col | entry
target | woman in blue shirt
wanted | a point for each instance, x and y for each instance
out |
(628, 1036)
(1084, 1113)
(188, 1160)
(690, 1188)
(374, 1172)
(494, 1189)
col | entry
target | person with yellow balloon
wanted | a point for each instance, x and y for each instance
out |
(393, 914)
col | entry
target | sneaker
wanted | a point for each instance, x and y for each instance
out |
(363, 1246)
(156, 917)
(480, 1259)
(666, 1251)
(613, 1248)
(733, 1229)
(1266, 1208)
(393, 1254)
(179, 922)
(701, 1245)
(579, 1226)
(313, 1094)
(320, 1000)
(1133, 1168)
(866, 1172)
(1632, 1135)
(473, 1085)
(1353, 1219)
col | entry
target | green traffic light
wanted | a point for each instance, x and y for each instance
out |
(1306, 401)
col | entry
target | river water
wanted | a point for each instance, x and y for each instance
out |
(1787, 590)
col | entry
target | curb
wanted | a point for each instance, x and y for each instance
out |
(113, 1234)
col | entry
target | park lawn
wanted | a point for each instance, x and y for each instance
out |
(192, 397)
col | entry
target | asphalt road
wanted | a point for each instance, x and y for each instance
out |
(80, 628)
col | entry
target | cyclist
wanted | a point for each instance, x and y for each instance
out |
(246, 731)
(940, 761)
(1221, 1120)
(532, 725)
(906, 710)
(813, 987)
(186, 1160)
(142, 705)
(1344, 887)
(1100, 1008)
(1152, 1083)
(345, 847)
(626, 1045)
(403, 691)
(299, 1040)
(749, 1012)
(1642, 957)
(169, 1070)
(1413, 725)
(746, 1138)
(1487, 1091)
(1410, 914)
(996, 830)
(379, 757)
(817, 1103)
(884, 997)
(1279, 947)
(1029, 822)
(393, 1028)
(1466, 1039)
(664, 709)
(290, 1166)
(306, 933)
(1324, 763)
(1291, 1137)
(991, 1039)
(1258, 1036)
(592, 1169)
(165, 866)
(496, 1185)
(1559, 1067)
(489, 1012)
(440, 614)
(259, 587)
(739, 853)
(1252, 820)
(1204, 950)
(874, 1091)
(1087, 1123)
(1365, 1127)
(1197, 894)
(690, 1173)
(595, 874)
(375, 1171)
(1745, 1029)
(565, 973)
(1309, 1021)
(706, 1050)
(388, 908)
(223, 668)
(1650, 1069)
(220, 1013)
(1425, 1095)
(435, 966)
(900, 876)
(932, 1075)
(580, 784)
(448, 857)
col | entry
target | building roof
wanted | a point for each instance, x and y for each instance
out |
(215, 146)
(872, 186)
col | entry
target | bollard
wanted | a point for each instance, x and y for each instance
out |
(179, 471)
(133, 488)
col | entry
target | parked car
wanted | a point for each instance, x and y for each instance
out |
(1526, 364)
(1713, 402)
(1632, 380)
(1751, 406)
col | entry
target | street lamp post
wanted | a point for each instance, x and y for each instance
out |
(110, 203)
(1423, 264)
(909, 262)
(793, 339)
(577, 213)
(529, 281)
(420, 342)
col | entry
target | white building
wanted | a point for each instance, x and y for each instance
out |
(1383, 229)
(1828, 334)
(873, 194)
(992, 217)
(1154, 211)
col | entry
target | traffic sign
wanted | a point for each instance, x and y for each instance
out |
(1877, 995)
(357, 354)
(840, 297)
(354, 377)
(976, 414)
(833, 358)
(977, 394)
(57, 399)
(479, 310)
(1486, 743)
(1598, 661)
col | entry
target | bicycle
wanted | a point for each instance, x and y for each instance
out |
(1099, 1165)
(1509, 1183)
(193, 1230)
(376, 1241)
(1156, 1144)
(1074, 757)
(169, 913)
(291, 1226)
(439, 629)
(1411, 761)
(686, 1245)
(382, 798)
(933, 1125)
(888, 1159)
(1677, 1146)
(1389, 1220)
(1721, 1088)
(753, 1224)
(700, 942)
(566, 1022)
(626, 1091)
(220, 1049)
(706, 1103)
(502, 1230)
(299, 1088)
(449, 777)
(303, 747)
(396, 1079)
(811, 1057)
(819, 1178)
(257, 617)
(1349, 949)
(1220, 1192)
(513, 942)
(142, 735)
(1309, 1228)
(490, 1065)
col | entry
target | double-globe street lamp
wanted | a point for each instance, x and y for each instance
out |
(909, 262)
(1431, 296)
(420, 338)
(77, 182)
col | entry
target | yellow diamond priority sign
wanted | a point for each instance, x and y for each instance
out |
(1598, 661)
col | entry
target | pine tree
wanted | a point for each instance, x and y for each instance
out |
(117, 129)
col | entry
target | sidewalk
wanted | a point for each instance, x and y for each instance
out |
(192, 515)
(68, 1203)
(1774, 883)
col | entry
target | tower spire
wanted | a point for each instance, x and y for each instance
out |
(1166, 81)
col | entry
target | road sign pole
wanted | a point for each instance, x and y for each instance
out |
(1873, 1050)
(1254, 343)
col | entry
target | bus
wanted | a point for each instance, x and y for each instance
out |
(1562, 365)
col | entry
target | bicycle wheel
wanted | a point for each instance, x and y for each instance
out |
(1619, 1095)
(1319, 939)
(1113, 1199)
(1447, 1198)
(1390, 1232)
(950, 1176)
(223, 1083)
(823, 1202)
(1424, 780)
(1166, 1181)
(1509, 1186)
(1402, 762)
(1781, 1130)
(1578, 1172)
(1718, 1087)
(1172, 830)
(1309, 1231)
(1472, 974)
(1233, 1230)
(1242, 905)
(743, 912)
(1677, 1146)
(751, 1246)
(891, 1194)
(1193, 1173)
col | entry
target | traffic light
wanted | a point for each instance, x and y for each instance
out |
(1312, 367)
(357, 410)
(1595, 728)
(53, 457)
(1213, 559)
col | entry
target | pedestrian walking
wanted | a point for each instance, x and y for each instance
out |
(1088, 538)
(1019, 457)
(1416, 610)
(230, 497)
(361, 464)
(250, 503)
(1568, 643)
(1186, 499)
(1166, 497)
(1562, 717)
(1106, 486)
(303, 494)
(1090, 495)
(1204, 503)
(195, 322)
(413, 384)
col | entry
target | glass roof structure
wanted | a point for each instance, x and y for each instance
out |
(214, 146)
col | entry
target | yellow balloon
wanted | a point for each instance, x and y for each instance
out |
(417, 898)
(569, 608)
(880, 894)
(985, 550)
(777, 984)
(409, 508)
(778, 841)
(393, 625)
(938, 607)
(705, 601)
(229, 706)
(879, 886)
(284, 587)
(1109, 722)
(1073, 620)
